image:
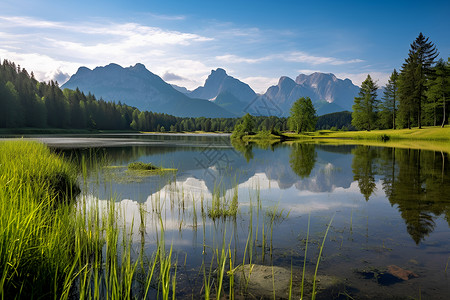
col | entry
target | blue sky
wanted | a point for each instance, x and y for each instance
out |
(255, 41)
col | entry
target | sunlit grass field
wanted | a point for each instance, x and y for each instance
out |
(432, 133)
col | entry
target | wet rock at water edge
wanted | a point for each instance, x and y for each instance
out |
(263, 282)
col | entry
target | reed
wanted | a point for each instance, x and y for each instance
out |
(313, 295)
(54, 247)
(304, 259)
(222, 206)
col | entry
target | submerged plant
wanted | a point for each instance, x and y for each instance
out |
(142, 166)
(222, 206)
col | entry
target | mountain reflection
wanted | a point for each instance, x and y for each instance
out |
(416, 182)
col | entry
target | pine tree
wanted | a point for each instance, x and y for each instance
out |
(415, 70)
(439, 89)
(365, 109)
(389, 105)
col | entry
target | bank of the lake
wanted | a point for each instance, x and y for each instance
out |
(426, 133)
(427, 138)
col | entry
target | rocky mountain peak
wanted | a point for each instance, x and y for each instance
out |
(220, 82)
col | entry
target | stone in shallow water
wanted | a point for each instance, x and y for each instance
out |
(391, 275)
(401, 273)
(262, 282)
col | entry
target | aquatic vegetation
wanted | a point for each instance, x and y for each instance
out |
(304, 258)
(313, 295)
(147, 168)
(37, 232)
(222, 206)
(67, 250)
(142, 166)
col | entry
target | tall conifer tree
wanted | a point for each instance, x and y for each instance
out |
(415, 70)
(365, 109)
(390, 101)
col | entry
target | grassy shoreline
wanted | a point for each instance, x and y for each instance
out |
(427, 138)
(428, 133)
(431, 133)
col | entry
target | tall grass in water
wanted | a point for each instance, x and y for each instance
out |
(36, 235)
(313, 295)
(221, 205)
(52, 247)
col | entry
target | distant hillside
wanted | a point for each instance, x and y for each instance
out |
(336, 120)
(136, 86)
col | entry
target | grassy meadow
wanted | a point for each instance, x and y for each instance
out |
(428, 138)
(431, 133)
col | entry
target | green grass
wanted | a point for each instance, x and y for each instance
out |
(222, 206)
(53, 247)
(427, 138)
(427, 133)
(37, 235)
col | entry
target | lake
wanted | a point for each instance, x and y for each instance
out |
(389, 208)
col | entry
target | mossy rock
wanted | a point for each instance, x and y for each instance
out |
(263, 282)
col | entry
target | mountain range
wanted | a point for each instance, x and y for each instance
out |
(136, 86)
(221, 95)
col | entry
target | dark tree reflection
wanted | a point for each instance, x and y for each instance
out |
(302, 159)
(364, 169)
(417, 182)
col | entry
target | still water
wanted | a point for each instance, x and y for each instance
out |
(389, 208)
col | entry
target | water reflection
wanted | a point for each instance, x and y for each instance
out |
(364, 169)
(302, 159)
(415, 182)
(418, 183)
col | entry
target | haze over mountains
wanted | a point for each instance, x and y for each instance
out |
(221, 95)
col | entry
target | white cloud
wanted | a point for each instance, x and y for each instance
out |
(167, 17)
(307, 71)
(380, 78)
(51, 48)
(303, 57)
(231, 58)
(44, 67)
(260, 84)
